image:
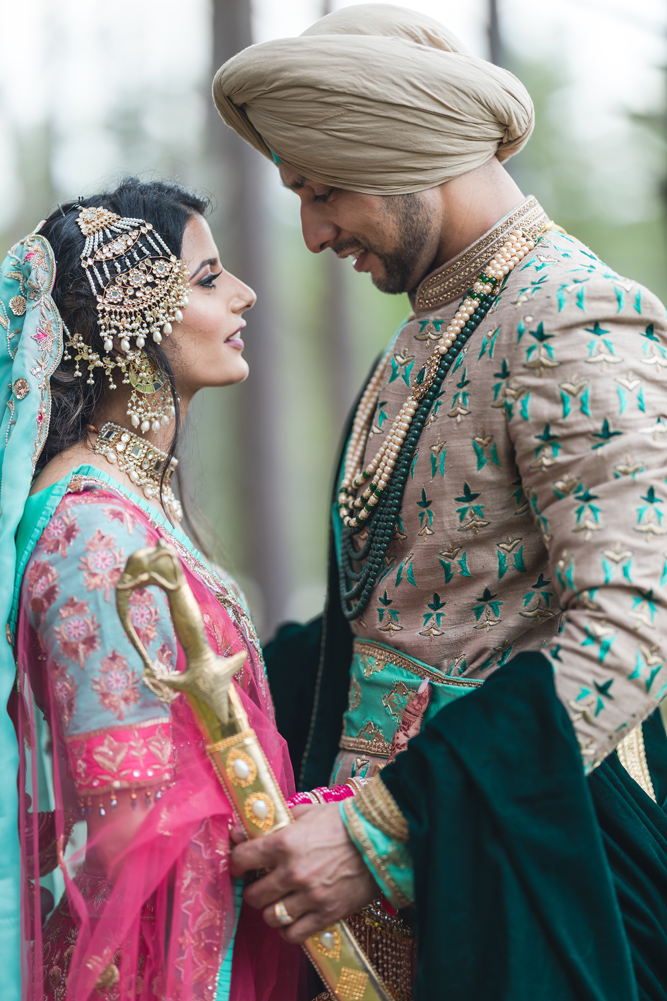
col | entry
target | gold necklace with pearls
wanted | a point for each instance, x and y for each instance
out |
(144, 464)
(355, 506)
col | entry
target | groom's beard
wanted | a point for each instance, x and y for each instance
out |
(402, 253)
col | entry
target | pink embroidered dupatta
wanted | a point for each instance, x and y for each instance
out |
(150, 914)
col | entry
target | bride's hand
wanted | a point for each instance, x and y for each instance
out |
(411, 720)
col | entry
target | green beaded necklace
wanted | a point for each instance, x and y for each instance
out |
(361, 567)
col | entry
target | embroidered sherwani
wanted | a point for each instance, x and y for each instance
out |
(534, 515)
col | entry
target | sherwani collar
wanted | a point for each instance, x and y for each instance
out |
(453, 279)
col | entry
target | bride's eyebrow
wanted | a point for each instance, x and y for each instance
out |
(210, 261)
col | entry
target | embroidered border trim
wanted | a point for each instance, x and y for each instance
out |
(107, 759)
(359, 834)
(378, 748)
(85, 734)
(366, 648)
(453, 281)
(632, 754)
(378, 806)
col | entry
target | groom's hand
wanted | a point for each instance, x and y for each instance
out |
(315, 870)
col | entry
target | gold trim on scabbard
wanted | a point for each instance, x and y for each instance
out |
(236, 738)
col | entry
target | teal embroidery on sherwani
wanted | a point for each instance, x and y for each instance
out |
(499, 398)
(587, 513)
(460, 399)
(425, 515)
(550, 440)
(487, 610)
(617, 561)
(447, 557)
(438, 455)
(471, 515)
(575, 389)
(649, 515)
(429, 330)
(630, 387)
(554, 362)
(540, 356)
(433, 617)
(381, 415)
(488, 344)
(401, 365)
(510, 550)
(405, 567)
(648, 664)
(382, 681)
(539, 603)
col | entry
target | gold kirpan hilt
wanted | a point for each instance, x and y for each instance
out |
(233, 748)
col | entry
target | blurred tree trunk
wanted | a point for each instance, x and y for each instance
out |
(338, 347)
(498, 56)
(245, 237)
(495, 37)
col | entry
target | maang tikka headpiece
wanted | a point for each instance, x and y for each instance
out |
(140, 288)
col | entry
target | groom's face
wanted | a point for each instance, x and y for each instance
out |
(395, 238)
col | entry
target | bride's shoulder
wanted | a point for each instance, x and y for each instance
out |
(91, 517)
(61, 465)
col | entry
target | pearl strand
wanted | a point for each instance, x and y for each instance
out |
(355, 508)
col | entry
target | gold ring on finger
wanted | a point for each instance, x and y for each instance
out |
(282, 914)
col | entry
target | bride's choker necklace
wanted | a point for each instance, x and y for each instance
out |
(143, 463)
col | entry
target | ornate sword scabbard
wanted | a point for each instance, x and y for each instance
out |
(234, 749)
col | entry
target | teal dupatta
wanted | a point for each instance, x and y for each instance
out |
(30, 350)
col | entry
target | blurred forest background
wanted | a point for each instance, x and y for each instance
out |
(92, 91)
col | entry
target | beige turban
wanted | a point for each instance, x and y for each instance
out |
(374, 98)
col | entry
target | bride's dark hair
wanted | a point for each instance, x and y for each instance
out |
(75, 401)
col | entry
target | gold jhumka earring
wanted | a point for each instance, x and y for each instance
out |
(140, 288)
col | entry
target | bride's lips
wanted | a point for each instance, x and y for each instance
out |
(235, 341)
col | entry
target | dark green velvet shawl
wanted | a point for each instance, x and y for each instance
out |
(532, 882)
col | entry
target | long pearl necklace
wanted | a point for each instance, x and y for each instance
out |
(147, 466)
(378, 488)
(355, 507)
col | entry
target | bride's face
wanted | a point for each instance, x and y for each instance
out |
(206, 348)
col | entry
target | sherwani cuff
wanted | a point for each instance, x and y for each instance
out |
(386, 855)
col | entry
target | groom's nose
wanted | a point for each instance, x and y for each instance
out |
(319, 232)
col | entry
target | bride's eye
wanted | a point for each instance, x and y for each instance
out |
(209, 280)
